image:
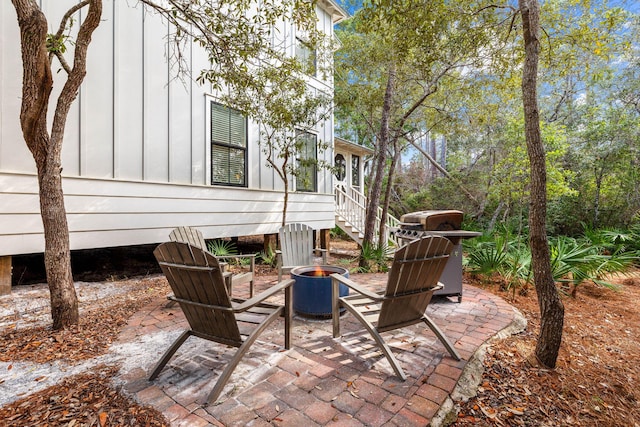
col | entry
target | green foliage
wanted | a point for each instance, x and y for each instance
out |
(375, 257)
(486, 258)
(221, 248)
(56, 44)
(268, 257)
(594, 256)
(337, 232)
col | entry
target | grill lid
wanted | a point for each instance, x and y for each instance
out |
(441, 220)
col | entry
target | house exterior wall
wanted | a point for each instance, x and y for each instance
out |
(136, 154)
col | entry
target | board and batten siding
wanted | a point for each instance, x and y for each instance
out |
(136, 154)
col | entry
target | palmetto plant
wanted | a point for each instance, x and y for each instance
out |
(517, 267)
(268, 257)
(573, 261)
(376, 257)
(486, 258)
(221, 248)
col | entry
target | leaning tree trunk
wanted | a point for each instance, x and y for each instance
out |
(387, 192)
(46, 149)
(383, 141)
(551, 308)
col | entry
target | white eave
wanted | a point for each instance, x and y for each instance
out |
(335, 10)
(351, 147)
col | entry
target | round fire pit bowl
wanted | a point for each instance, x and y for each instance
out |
(312, 290)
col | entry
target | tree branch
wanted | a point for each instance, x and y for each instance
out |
(59, 34)
(79, 70)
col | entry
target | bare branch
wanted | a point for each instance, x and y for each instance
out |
(63, 61)
(60, 33)
(79, 70)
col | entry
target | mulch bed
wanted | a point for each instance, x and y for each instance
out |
(597, 373)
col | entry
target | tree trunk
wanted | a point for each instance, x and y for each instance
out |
(57, 254)
(551, 308)
(387, 192)
(383, 141)
(599, 173)
(432, 152)
(443, 152)
(46, 149)
(286, 200)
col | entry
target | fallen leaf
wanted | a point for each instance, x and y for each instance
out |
(515, 411)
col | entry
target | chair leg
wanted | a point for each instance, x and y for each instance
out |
(168, 354)
(231, 366)
(288, 316)
(441, 336)
(335, 307)
(387, 351)
(378, 339)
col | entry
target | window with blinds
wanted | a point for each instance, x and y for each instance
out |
(307, 176)
(228, 146)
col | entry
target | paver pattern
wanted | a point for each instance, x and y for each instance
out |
(320, 381)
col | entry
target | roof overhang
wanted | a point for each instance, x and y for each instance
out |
(344, 145)
(335, 10)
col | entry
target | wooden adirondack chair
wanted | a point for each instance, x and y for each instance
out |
(194, 237)
(296, 248)
(199, 288)
(412, 281)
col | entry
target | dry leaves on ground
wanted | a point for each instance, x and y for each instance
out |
(596, 377)
(87, 399)
(81, 400)
(99, 326)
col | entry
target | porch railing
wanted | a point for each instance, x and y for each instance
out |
(351, 207)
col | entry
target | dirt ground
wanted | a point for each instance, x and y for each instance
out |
(594, 383)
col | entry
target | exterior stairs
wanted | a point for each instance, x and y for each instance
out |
(351, 208)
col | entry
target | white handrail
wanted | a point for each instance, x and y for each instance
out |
(351, 206)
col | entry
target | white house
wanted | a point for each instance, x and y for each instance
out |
(145, 152)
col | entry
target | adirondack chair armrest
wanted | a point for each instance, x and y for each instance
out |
(323, 253)
(356, 287)
(263, 296)
(196, 304)
(279, 263)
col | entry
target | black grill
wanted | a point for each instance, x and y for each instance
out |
(417, 224)
(444, 223)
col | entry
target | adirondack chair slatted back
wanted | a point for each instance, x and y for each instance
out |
(296, 244)
(197, 282)
(416, 269)
(190, 235)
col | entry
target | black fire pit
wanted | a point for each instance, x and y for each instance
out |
(312, 290)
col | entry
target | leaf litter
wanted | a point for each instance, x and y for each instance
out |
(597, 372)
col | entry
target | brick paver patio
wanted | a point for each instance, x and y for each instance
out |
(319, 381)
